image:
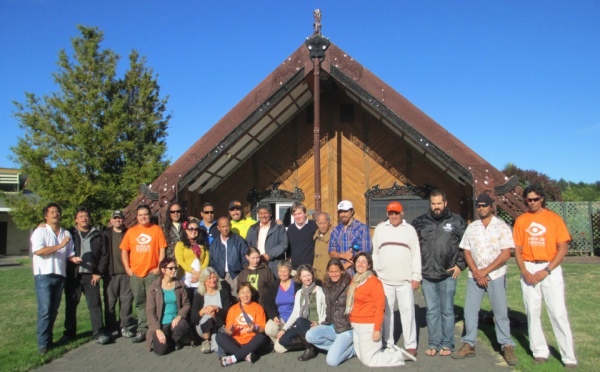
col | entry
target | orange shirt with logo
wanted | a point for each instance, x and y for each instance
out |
(236, 318)
(539, 233)
(144, 244)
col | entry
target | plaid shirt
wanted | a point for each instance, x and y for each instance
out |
(342, 240)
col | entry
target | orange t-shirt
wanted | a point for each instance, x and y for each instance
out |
(235, 317)
(369, 303)
(539, 233)
(144, 244)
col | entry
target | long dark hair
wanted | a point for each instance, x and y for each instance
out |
(200, 239)
(169, 221)
(334, 262)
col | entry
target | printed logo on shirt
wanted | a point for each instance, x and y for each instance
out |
(253, 280)
(241, 320)
(536, 232)
(143, 241)
(447, 227)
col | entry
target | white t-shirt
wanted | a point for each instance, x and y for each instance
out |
(187, 277)
(55, 263)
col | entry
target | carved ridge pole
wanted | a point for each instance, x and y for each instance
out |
(317, 45)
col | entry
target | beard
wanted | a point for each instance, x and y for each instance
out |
(438, 214)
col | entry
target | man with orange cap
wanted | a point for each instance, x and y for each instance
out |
(397, 260)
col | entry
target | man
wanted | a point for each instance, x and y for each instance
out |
(541, 243)
(486, 245)
(349, 237)
(51, 247)
(239, 223)
(440, 232)
(397, 260)
(142, 249)
(85, 277)
(228, 254)
(269, 238)
(117, 287)
(208, 223)
(321, 239)
(300, 237)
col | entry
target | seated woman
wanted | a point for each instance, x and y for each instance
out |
(309, 311)
(244, 328)
(335, 334)
(167, 307)
(279, 301)
(366, 304)
(192, 255)
(256, 273)
(209, 308)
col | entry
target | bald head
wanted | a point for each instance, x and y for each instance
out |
(224, 226)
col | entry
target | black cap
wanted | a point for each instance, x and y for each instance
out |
(485, 198)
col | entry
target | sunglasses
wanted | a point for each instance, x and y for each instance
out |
(393, 213)
(533, 200)
(484, 205)
(208, 212)
(197, 229)
(171, 268)
(177, 211)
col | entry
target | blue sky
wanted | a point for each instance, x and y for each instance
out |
(517, 81)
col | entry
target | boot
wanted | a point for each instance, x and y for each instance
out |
(310, 352)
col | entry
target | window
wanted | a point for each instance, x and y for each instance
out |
(377, 209)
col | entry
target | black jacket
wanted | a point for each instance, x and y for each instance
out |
(439, 244)
(108, 242)
(270, 305)
(198, 304)
(335, 298)
(99, 254)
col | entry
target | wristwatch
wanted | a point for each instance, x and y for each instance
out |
(548, 270)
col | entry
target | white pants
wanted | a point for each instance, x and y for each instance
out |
(404, 297)
(272, 330)
(552, 290)
(369, 352)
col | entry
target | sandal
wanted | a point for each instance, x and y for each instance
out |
(445, 351)
(431, 351)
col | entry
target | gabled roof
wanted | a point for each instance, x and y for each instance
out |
(285, 92)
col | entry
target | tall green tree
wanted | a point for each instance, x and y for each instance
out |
(93, 141)
(530, 176)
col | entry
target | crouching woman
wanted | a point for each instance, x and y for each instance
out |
(167, 307)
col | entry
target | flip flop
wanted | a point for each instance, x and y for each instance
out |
(431, 351)
(445, 351)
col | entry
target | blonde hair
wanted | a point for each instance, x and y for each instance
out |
(204, 275)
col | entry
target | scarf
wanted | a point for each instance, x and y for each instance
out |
(196, 249)
(305, 305)
(356, 281)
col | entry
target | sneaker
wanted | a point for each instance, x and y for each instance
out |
(251, 358)
(465, 351)
(103, 340)
(205, 347)
(509, 355)
(226, 361)
(140, 337)
(125, 332)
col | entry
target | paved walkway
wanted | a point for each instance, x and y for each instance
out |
(123, 355)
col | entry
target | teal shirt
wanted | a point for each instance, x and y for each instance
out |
(170, 306)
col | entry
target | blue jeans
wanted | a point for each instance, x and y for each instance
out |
(48, 289)
(339, 346)
(439, 297)
(496, 291)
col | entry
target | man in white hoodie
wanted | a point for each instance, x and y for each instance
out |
(397, 261)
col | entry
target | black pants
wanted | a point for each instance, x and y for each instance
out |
(117, 289)
(172, 335)
(232, 347)
(74, 287)
(301, 326)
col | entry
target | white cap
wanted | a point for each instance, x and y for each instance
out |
(345, 205)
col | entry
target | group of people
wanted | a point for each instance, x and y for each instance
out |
(236, 286)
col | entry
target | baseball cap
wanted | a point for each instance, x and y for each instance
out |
(394, 207)
(235, 204)
(345, 205)
(117, 213)
(485, 198)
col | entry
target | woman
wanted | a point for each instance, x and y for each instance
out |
(365, 303)
(256, 273)
(335, 334)
(172, 228)
(192, 255)
(244, 328)
(308, 312)
(167, 307)
(279, 301)
(209, 308)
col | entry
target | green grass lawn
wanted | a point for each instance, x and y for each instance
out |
(582, 286)
(18, 320)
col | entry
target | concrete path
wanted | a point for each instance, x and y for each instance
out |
(123, 355)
